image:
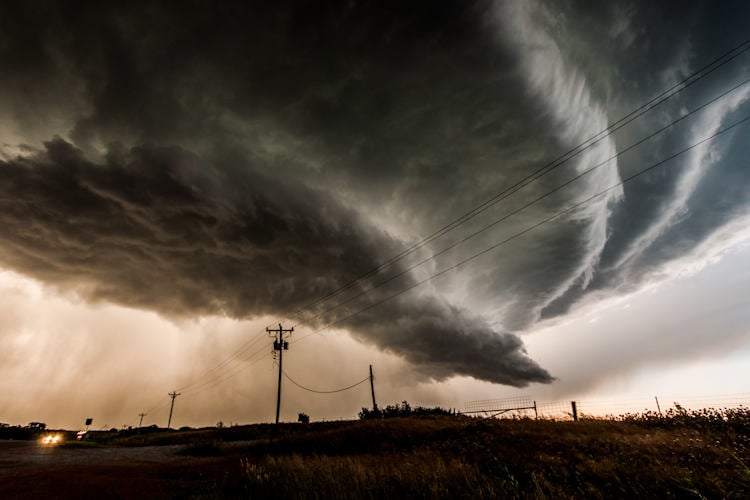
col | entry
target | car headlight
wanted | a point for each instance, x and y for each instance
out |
(51, 439)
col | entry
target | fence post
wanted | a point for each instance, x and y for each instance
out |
(575, 411)
(536, 413)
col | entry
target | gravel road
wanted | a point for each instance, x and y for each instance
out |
(15, 455)
(30, 470)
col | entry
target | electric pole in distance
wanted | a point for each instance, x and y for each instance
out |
(372, 390)
(172, 395)
(140, 424)
(281, 345)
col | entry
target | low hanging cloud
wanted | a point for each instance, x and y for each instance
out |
(163, 229)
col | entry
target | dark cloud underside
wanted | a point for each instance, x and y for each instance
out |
(246, 159)
(160, 229)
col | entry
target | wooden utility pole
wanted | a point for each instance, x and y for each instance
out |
(281, 345)
(575, 410)
(372, 390)
(172, 395)
(140, 424)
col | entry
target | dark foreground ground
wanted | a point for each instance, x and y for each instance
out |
(698, 455)
(29, 470)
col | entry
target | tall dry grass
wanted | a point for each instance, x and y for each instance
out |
(417, 474)
(678, 455)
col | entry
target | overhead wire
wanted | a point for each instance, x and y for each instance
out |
(290, 379)
(617, 125)
(243, 348)
(155, 407)
(219, 378)
(530, 228)
(560, 160)
(532, 202)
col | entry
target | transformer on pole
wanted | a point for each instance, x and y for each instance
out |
(281, 345)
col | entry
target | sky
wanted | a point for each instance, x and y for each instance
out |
(409, 185)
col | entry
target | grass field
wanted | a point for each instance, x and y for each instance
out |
(702, 454)
(683, 455)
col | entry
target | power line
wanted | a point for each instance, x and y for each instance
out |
(532, 227)
(219, 378)
(615, 126)
(560, 160)
(199, 386)
(532, 202)
(244, 348)
(516, 211)
(290, 379)
(157, 406)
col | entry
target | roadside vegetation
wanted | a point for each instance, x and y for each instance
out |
(681, 454)
(416, 453)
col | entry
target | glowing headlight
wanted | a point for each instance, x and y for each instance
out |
(51, 439)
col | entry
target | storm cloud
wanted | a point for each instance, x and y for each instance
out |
(162, 229)
(246, 160)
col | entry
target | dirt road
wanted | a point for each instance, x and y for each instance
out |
(29, 470)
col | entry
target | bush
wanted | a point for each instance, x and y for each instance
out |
(403, 410)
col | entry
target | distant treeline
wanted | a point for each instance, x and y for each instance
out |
(30, 431)
(36, 429)
(404, 410)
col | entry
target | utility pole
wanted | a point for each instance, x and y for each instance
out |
(372, 390)
(657, 405)
(140, 424)
(172, 395)
(281, 345)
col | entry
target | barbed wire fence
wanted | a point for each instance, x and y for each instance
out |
(525, 407)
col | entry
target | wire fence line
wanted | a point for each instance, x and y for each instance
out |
(525, 407)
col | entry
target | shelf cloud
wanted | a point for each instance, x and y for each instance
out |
(248, 160)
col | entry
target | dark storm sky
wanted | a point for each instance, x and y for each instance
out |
(244, 159)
